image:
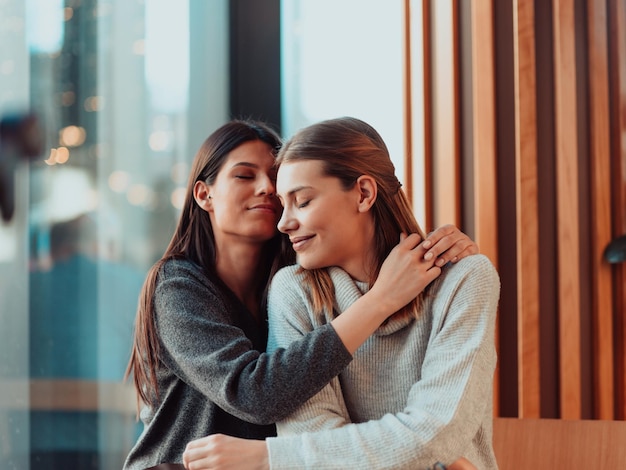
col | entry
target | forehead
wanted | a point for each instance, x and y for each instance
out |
(298, 173)
(256, 152)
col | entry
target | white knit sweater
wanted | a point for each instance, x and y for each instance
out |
(418, 392)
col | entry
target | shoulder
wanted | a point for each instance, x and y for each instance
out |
(184, 294)
(287, 286)
(183, 268)
(288, 275)
(465, 295)
(173, 267)
(473, 276)
(183, 276)
(473, 269)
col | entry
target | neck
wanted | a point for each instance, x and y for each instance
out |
(238, 266)
(363, 264)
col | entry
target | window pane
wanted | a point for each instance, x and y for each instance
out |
(126, 91)
(344, 58)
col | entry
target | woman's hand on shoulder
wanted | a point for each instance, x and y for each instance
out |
(404, 273)
(448, 243)
(222, 452)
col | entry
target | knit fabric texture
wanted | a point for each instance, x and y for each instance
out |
(418, 392)
(214, 377)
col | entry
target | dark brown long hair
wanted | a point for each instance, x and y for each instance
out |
(193, 239)
(349, 148)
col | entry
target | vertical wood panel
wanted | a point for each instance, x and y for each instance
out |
(484, 115)
(428, 116)
(619, 197)
(484, 129)
(602, 313)
(445, 112)
(618, 130)
(408, 101)
(527, 209)
(567, 188)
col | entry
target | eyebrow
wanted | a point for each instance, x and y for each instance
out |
(246, 164)
(293, 191)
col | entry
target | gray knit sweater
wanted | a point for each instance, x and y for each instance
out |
(417, 392)
(212, 377)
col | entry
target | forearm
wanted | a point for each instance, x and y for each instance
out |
(326, 410)
(393, 441)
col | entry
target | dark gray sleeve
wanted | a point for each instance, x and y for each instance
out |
(202, 347)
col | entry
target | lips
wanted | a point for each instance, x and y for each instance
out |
(299, 243)
(265, 207)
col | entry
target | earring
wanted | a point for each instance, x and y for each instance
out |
(210, 197)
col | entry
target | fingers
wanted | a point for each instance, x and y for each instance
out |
(439, 233)
(432, 274)
(462, 464)
(197, 443)
(196, 453)
(459, 249)
(410, 241)
(448, 243)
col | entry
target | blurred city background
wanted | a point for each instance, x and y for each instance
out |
(125, 91)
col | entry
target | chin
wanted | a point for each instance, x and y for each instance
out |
(264, 236)
(308, 264)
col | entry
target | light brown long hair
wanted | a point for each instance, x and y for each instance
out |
(193, 239)
(349, 148)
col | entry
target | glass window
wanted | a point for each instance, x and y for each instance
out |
(111, 83)
(344, 58)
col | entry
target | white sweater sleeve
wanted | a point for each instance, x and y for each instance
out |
(444, 409)
(289, 319)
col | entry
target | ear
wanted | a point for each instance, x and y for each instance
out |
(368, 191)
(202, 196)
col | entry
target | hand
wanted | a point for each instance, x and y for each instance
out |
(219, 451)
(461, 464)
(448, 243)
(404, 274)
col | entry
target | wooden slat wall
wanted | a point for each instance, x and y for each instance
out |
(600, 153)
(444, 98)
(585, 336)
(527, 216)
(408, 100)
(428, 115)
(485, 164)
(567, 194)
(617, 39)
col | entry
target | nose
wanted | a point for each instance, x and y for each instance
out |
(287, 223)
(267, 186)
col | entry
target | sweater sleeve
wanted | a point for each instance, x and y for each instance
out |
(201, 345)
(289, 320)
(444, 409)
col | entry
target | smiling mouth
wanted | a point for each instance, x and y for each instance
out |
(299, 242)
(265, 208)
